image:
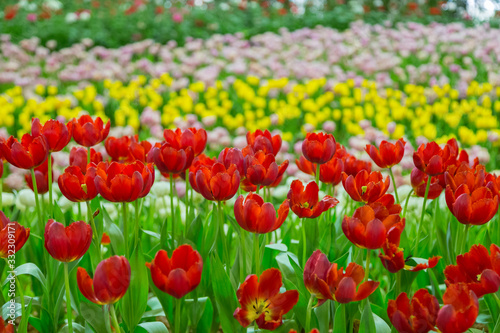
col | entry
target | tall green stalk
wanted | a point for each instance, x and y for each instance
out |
(394, 185)
(256, 257)
(125, 228)
(317, 174)
(50, 185)
(37, 202)
(186, 197)
(172, 208)
(367, 268)
(68, 298)
(429, 178)
(177, 325)
(308, 313)
(116, 325)
(304, 241)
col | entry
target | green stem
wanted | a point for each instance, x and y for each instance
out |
(394, 185)
(37, 202)
(50, 184)
(429, 178)
(225, 248)
(367, 267)
(186, 197)
(68, 298)
(88, 156)
(406, 203)
(243, 255)
(304, 241)
(177, 327)
(95, 235)
(1, 192)
(308, 313)
(257, 190)
(317, 174)
(172, 208)
(463, 246)
(125, 228)
(137, 222)
(114, 319)
(256, 258)
(398, 284)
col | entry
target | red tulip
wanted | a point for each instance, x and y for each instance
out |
(329, 172)
(305, 202)
(118, 148)
(89, 132)
(234, 156)
(263, 140)
(117, 182)
(262, 169)
(41, 176)
(192, 137)
(460, 309)
(352, 166)
(9, 229)
(9, 328)
(57, 134)
(253, 215)
(141, 151)
(318, 147)
(472, 207)
(216, 183)
(76, 186)
(110, 283)
(433, 160)
(172, 159)
(69, 243)
(366, 187)
(105, 240)
(464, 174)
(478, 269)
(261, 301)
(325, 281)
(419, 183)
(178, 275)
(27, 154)
(305, 166)
(366, 230)
(419, 316)
(78, 157)
(388, 154)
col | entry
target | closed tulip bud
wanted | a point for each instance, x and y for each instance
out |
(57, 134)
(69, 243)
(255, 215)
(318, 147)
(388, 154)
(9, 229)
(88, 132)
(28, 154)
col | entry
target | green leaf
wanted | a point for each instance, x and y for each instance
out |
(323, 315)
(94, 315)
(153, 327)
(135, 301)
(339, 322)
(115, 235)
(380, 325)
(33, 270)
(225, 297)
(367, 324)
(23, 325)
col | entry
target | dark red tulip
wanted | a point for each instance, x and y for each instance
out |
(140, 150)
(460, 309)
(57, 134)
(41, 176)
(110, 283)
(179, 275)
(352, 166)
(263, 140)
(78, 157)
(366, 230)
(255, 215)
(69, 243)
(318, 147)
(88, 132)
(365, 187)
(477, 268)
(419, 316)
(388, 154)
(331, 171)
(118, 148)
(172, 159)
(234, 156)
(262, 169)
(27, 154)
(434, 160)
(464, 174)
(324, 280)
(9, 229)
(191, 137)
(216, 183)
(261, 301)
(305, 202)
(77, 186)
(105, 240)
(118, 182)
(419, 183)
(305, 166)
(493, 183)
(475, 207)
(9, 328)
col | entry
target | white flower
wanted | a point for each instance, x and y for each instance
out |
(84, 16)
(8, 199)
(26, 198)
(71, 17)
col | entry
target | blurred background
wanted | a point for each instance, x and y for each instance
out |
(113, 23)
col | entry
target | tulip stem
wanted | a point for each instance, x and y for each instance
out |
(423, 214)
(256, 257)
(186, 197)
(304, 241)
(464, 239)
(95, 236)
(225, 248)
(137, 222)
(406, 203)
(113, 318)
(398, 284)
(177, 327)
(243, 255)
(49, 162)
(125, 228)
(37, 203)
(317, 174)
(394, 185)
(172, 208)
(308, 313)
(1, 191)
(88, 156)
(367, 267)
(68, 298)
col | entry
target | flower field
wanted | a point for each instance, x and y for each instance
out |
(312, 180)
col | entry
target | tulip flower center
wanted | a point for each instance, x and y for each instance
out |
(84, 188)
(257, 308)
(304, 205)
(363, 189)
